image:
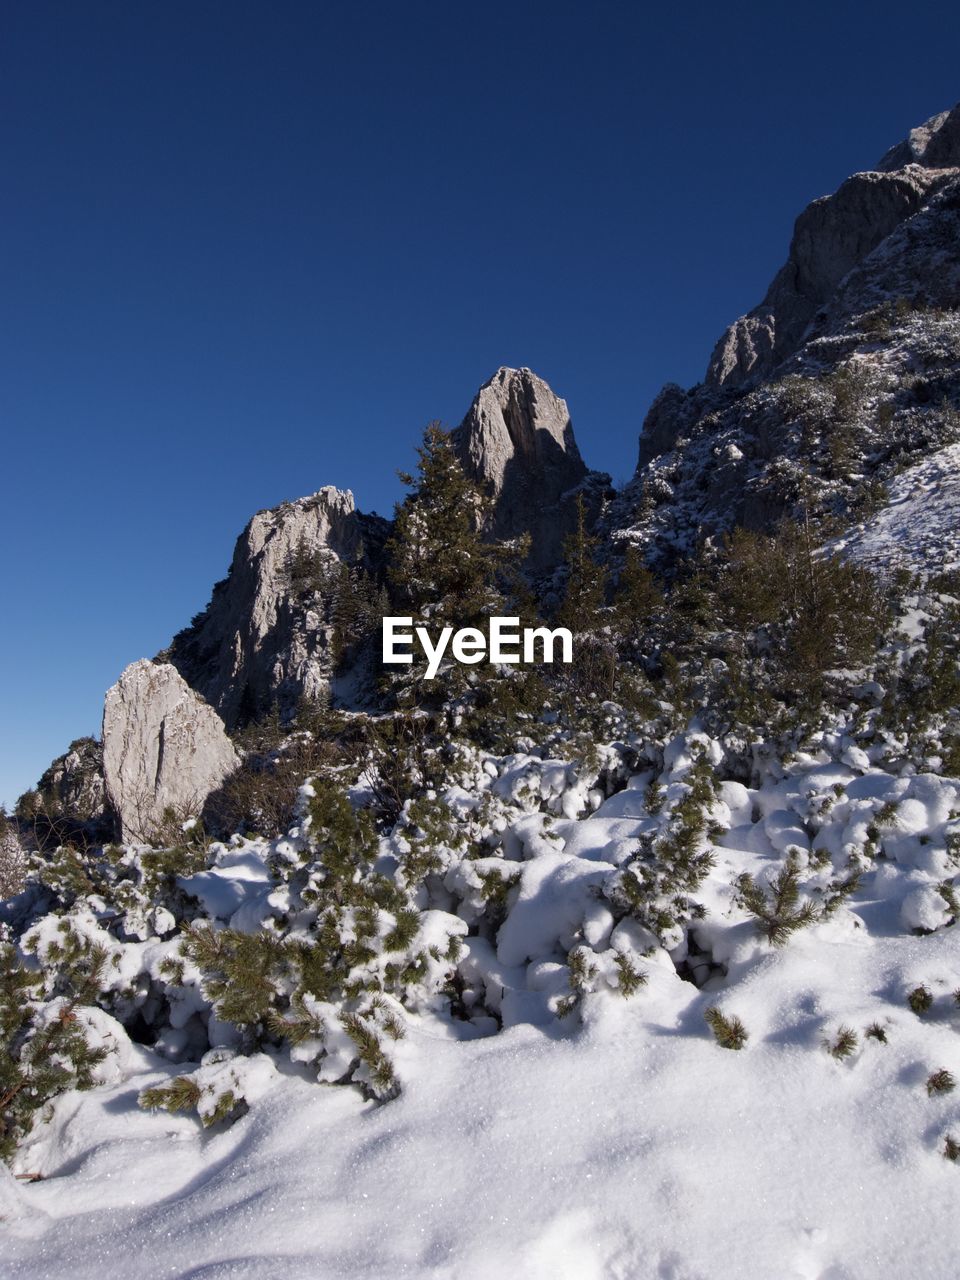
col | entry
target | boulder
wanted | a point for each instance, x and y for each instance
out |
(164, 748)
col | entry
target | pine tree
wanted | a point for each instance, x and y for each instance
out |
(920, 1000)
(440, 566)
(44, 1046)
(582, 610)
(357, 605)
(345, 956)
(585, 592)
(843, 1044)
(942, 1081)
(638, 599)
(779, 915)
(729, 1033)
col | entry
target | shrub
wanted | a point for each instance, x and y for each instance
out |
(729, 1033)
(777, 912)
(45, 1047)
(920, 1000)
(843, 1044)
(941, 1081)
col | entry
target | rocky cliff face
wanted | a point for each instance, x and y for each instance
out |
(72, 787)
(517, 441)
(831, 237)
(164, 749)
(846, 372)
(259, 643)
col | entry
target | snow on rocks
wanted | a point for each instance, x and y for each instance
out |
(919, 528)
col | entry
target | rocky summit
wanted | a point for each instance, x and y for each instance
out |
(256, 645)
(832, 236)
(517, 442)
(846, 372)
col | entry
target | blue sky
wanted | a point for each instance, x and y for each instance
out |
(247, 250)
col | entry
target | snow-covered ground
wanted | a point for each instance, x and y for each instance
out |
(919, 529)
(635, 1148)
(620, 1142)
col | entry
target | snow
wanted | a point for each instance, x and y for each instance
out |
(919, 529)
(635, 1147)
(617, 1141)
(234, 886)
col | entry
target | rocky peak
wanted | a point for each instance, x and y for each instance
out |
(832, 236)
(257, 643)
(164, 748)
(846, 372)
(935, 144)
(517, 441)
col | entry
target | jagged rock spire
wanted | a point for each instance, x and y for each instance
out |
(935, 144)
(517, 441)
(254, 647)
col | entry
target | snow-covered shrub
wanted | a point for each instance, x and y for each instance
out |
(777, 910)
(46, 1045)
(341, 951)
(222, 1088)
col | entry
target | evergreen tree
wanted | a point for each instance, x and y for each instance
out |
(780, 912)
(358, 603)
(638, 600)
(585, 593)
(729, 1032)
(582, 610)
(440, 567)
(44, 1047)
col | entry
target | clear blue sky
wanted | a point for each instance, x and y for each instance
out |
(250, 249)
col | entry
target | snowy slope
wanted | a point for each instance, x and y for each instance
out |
(920, 527)
(639, 1148)
(626, 1145)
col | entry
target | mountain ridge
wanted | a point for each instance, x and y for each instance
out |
(743, 447)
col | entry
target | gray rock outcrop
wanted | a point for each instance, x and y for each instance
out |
(263, 640)
(164, 748)
(72, 786)
(846, 371)
(935, 144)
(517, 442)
(830, 238)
